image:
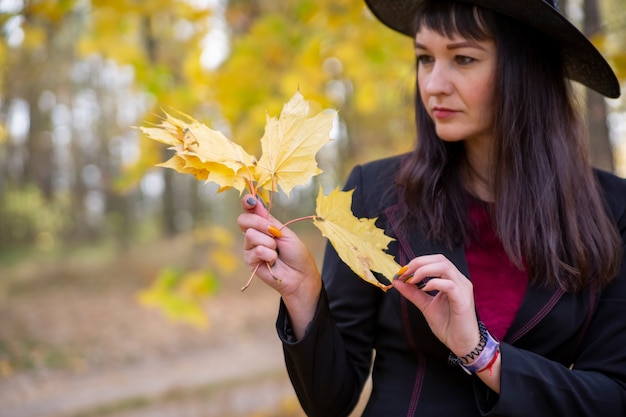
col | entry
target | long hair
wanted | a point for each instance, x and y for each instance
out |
(548, 210)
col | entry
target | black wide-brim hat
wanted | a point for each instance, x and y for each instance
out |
(583, 61)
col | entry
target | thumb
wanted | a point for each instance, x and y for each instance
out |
(254, 204)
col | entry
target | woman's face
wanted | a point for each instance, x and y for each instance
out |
(456, 82)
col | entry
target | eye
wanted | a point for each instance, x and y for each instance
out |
(463, 60)
(425, 59)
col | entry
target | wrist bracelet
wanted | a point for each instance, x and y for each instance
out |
(482, 357)
(491, 363)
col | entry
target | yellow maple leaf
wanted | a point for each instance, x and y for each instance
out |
(204, 149)
(358, 242)
(289, 145)
(180, 164)
(216, 172)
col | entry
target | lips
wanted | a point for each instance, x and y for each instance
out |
(443, 112)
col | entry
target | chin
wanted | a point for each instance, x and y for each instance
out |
(450, 138)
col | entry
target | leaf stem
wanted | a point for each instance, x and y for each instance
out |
(271, 193)
(297, 220)
(256, 268)
(250, 279)
(251, 186)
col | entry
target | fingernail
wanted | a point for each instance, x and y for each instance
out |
(251, 201)
(400, 272)
(274, 231)
(423, 282)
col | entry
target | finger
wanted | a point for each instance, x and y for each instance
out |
(412, 293)
(248, 202)
(407, 271)
(432, 285)
(460, 294)
(269, 227)
(259, 248)
(423, 273)
(253, 204)
(421, 285)
(254, 237)
(260, 254)
(434, 266)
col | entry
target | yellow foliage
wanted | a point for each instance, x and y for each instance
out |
(179, 295)
(49, 10)
(288, 146)
(358, 242)
(224, 260)
(3, 133)
(218, 235)
(220, 256)
(34, 37)
(614, 50)
(376, 69)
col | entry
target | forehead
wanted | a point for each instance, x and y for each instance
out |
(456, 20)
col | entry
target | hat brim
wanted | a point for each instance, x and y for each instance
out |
(584, 63)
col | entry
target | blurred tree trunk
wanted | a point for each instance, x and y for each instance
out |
(118, 212)
(55, 53)
(168, 208)
(37, 149)
(38, 166)
(168, 198)
(599, 141)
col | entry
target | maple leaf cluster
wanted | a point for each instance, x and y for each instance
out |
(289, 146)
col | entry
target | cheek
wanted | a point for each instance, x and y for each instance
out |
(482, 96)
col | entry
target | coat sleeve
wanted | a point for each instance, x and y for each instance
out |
(329, 365)
(532, 385)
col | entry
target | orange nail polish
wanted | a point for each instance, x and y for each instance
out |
(400, 272)
(274, 231)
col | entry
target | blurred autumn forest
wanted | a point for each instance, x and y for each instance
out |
(78, 76)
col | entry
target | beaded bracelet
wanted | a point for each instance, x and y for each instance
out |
(482, 357)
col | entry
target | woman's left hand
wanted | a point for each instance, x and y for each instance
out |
(450, 313)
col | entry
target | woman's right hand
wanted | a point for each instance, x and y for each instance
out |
(299, 282)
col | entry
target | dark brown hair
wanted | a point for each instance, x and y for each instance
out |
(548, 210)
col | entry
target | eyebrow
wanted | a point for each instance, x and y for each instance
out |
(457, 45)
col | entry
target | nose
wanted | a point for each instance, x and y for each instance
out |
(437, 80)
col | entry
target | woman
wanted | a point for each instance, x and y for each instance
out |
(512, 299)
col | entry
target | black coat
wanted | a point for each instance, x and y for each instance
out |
(564, 355)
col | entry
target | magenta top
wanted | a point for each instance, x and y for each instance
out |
(499, 286)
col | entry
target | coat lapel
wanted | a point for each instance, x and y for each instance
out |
(416, 244)
(536, 305)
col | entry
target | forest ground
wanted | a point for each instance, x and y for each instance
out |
(75, 342)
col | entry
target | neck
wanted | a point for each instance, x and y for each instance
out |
(477, 168)
(478, 181)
